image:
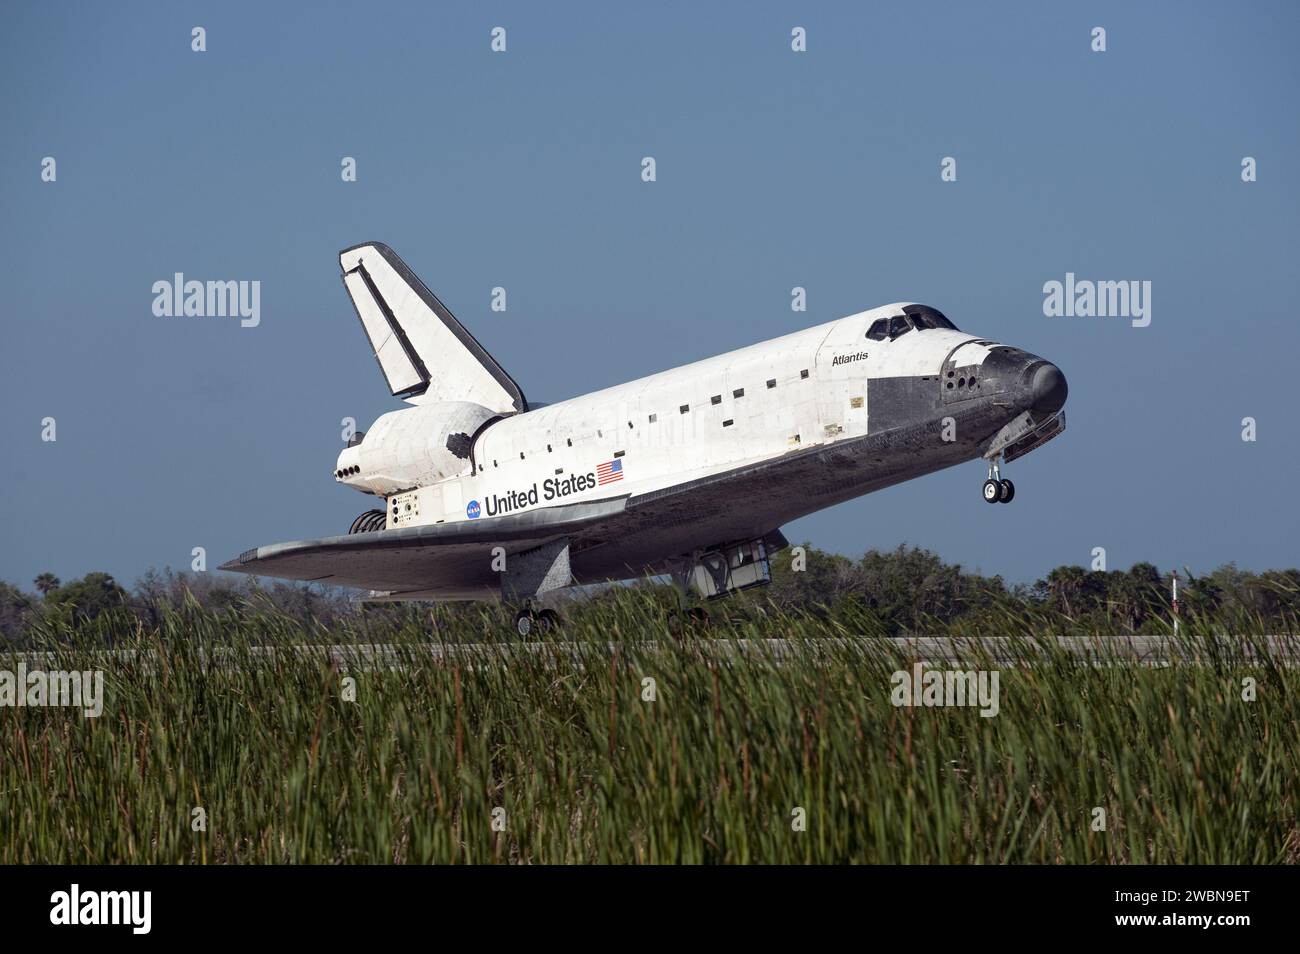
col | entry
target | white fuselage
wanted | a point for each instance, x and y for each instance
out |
(690, 471)
(750, 405)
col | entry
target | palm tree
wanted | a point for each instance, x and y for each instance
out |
(1065, 583)
(46, 582)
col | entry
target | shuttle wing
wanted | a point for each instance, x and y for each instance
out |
(454, 560)
(447, 559)
(425, 354)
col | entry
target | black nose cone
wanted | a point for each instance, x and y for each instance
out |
(1047, 389)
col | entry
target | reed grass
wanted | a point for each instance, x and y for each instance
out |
(242, 718)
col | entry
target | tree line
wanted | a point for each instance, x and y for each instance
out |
(911, 589)
(907, 590)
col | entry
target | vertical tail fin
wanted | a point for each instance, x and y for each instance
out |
(426, 355)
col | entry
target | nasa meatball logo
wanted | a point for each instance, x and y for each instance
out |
(472, 509)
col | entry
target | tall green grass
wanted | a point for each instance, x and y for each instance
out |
(587, 770)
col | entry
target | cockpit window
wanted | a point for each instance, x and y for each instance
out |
(879, 329)
(924, 317)
(920, 317)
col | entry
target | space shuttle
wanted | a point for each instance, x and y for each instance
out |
(688, 473)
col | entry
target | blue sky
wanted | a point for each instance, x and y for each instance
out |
(522, 169)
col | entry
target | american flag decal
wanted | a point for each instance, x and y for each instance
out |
(609, 472)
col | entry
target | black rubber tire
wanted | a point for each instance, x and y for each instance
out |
(1008, 493)
(549, 622)
(525, 623)
(992, 491)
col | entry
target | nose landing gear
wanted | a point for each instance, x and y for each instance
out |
(997, 489)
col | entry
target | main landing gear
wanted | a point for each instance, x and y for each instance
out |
(997, 489)
(533, 622)
(529, 577)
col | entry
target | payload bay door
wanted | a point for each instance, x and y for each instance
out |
(842, 362)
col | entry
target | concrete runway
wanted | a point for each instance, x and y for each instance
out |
(935, 650)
